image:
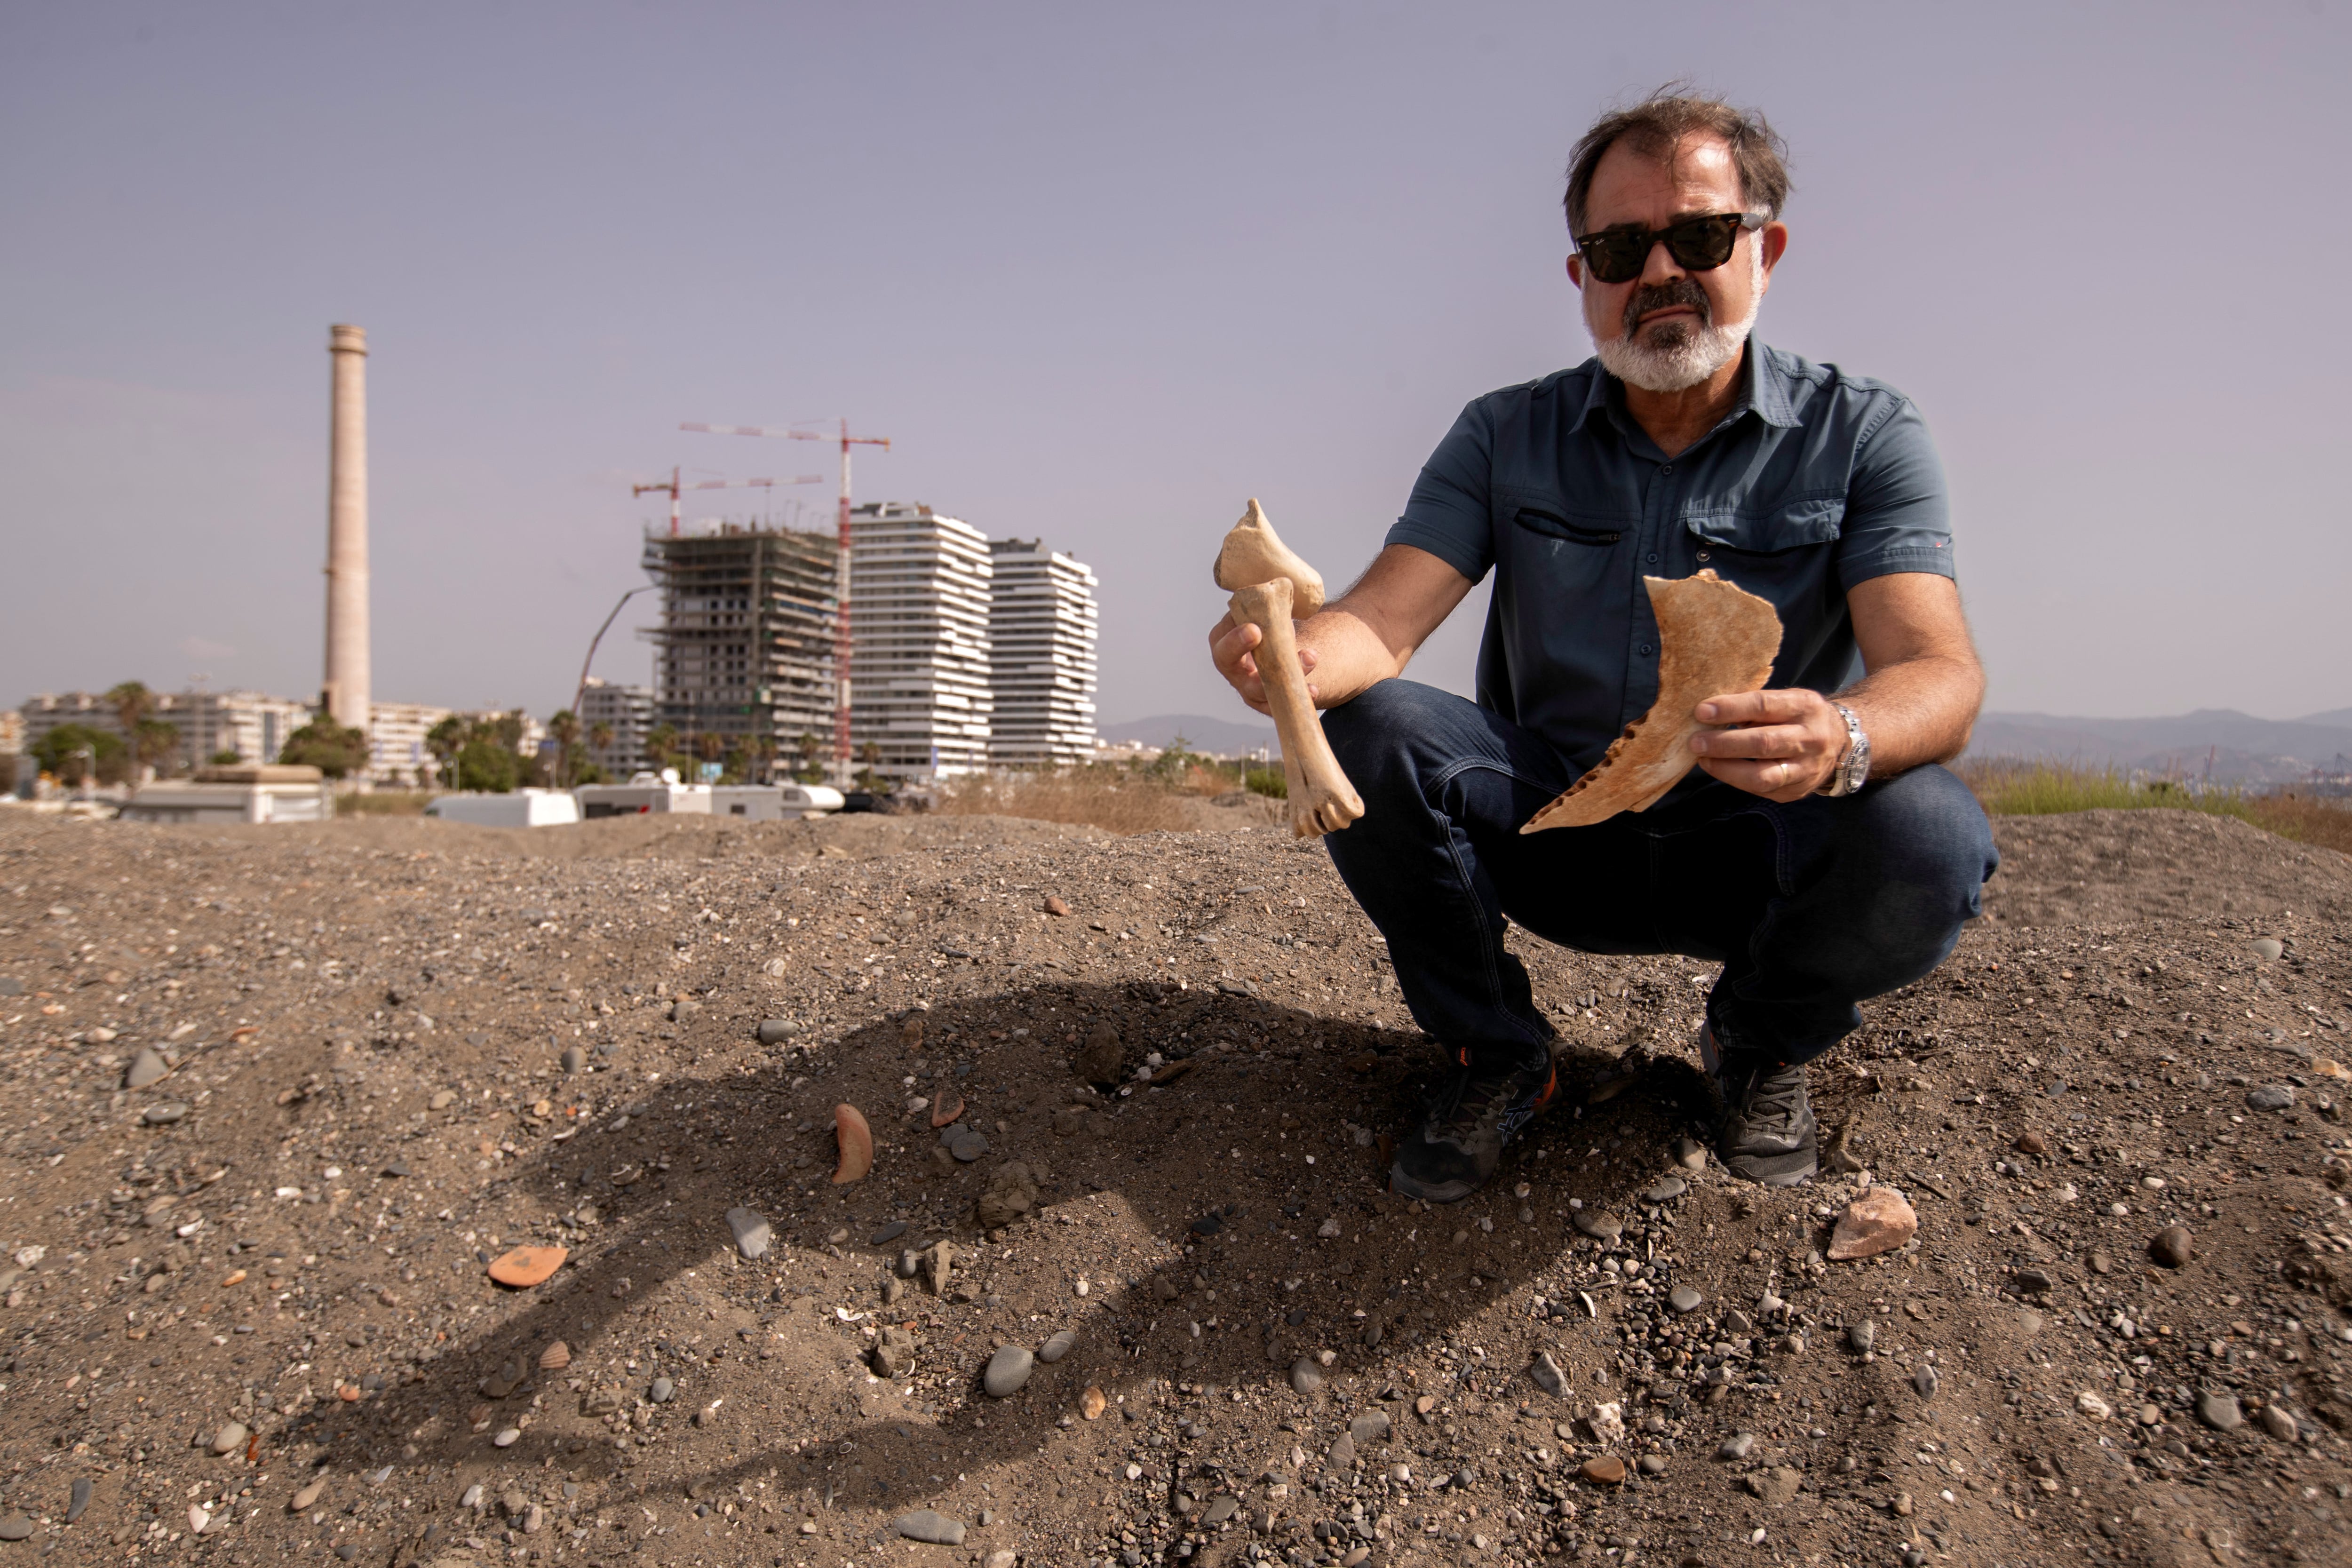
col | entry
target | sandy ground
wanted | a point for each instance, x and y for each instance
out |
(279, 1249)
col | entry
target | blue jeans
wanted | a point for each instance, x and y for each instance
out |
(1810, 906)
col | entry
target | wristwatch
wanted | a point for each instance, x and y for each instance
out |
(1854, 763)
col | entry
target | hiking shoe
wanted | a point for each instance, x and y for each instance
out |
(1765, 1129)
(1460, 1140)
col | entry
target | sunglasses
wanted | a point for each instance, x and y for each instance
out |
(1697, 244)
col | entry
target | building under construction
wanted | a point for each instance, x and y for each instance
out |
(743, 655)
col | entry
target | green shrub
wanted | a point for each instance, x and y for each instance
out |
(1266, 781)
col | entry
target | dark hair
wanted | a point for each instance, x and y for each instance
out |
(1653, 127)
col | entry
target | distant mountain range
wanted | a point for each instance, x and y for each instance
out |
(2218, 743)
(1226, 737)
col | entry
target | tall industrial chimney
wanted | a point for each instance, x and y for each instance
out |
(346, 692)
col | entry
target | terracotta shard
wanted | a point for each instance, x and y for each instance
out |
(949, 1106)
(856, 1142)
(1253, 553)
(1714, 637)
(527, 1266)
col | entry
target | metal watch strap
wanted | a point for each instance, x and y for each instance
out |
(1854, 763)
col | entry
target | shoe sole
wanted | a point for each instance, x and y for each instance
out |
(1788, 1170)
(1452, 1192)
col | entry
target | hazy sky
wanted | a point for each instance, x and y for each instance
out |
(1102, 272)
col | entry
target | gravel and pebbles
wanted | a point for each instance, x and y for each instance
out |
(220, 1042)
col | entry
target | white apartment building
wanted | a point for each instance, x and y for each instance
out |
(919, 600)
(1041, 626)
(396, 752)
(629, 710)
(253, 724)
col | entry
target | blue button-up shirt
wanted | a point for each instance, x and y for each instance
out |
(1814, 482)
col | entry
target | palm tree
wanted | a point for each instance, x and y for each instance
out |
(131, 702)
(154, 742)
(563, 728)
(661, 744)
(445, 741)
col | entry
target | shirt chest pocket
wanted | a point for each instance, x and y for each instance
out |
(1782, 553)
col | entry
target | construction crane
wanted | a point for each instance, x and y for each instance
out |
(674, 488)
(841, 593)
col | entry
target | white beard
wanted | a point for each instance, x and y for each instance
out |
(1690, 355)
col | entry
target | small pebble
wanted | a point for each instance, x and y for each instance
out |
(2276, 1422)
(1607, 1470)
(1008, 1371)
(1654, 1464)
(1663, 1190)
(925, 1525)
(1860, 1336)
(574, 1059)
(78, 1499)
(775, 1031)
(1683, 1298)
(1306, 1377)
(2268, 1097)
(15, 1527)
(662, 1392)
(1690, 1154)
(2267, 948)
(509, 1437)
(2220, 1411)
(1058, 1346)
(1598, 1224)
(751, 1231)
(1736, 1447)
(2171, 1246)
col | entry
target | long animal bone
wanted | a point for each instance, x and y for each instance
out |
(1270, 585)
(1714, 637)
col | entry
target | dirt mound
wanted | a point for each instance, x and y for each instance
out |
(387, 1053)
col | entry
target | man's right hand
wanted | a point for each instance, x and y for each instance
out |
(1367, 635)
(1233, 650)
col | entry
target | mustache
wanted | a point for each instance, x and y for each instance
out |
(1660, 296)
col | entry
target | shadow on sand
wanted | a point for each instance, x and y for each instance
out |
(1246, 1197)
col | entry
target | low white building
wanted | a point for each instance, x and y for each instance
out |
(253, 793)
(251, 725)
(516, 808)
(396, 751)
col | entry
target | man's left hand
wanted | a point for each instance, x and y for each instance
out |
(1788, 747)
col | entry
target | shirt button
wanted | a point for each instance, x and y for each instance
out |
(1645, 647)
(1652, 558)
(1666, 467)
(1703, 555)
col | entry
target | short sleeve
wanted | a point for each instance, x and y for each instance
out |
(1899, 515)
(1447, 513)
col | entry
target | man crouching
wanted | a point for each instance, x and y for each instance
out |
(1818, 853)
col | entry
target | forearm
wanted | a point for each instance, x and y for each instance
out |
(1917, 711)
(1349, 656)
